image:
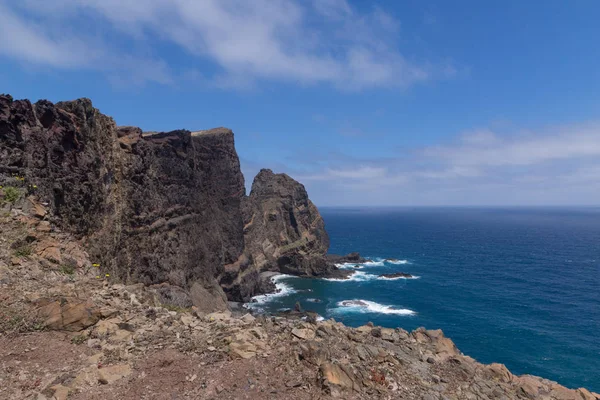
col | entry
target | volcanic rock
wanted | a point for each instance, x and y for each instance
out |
(396, 275)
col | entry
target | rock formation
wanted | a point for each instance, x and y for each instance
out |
(157, 207)
(151, 207)
(283, 229)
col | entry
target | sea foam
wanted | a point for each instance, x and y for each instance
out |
(282, 290)
(366, 306)
(356, 276)
(383, 278)
(397, 262)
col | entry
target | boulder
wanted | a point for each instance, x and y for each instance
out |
(303, 333)
(332, 375)
(110, 374)
(499, 372)
(208, 297)
(68, 314)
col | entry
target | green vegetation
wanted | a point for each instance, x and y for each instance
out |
(11, 321)
(79, 339)
(23, 251)
(11, 194)
(67, 269)
(177, 309)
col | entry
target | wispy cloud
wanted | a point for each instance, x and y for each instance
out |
(246, 42)
(546, 166)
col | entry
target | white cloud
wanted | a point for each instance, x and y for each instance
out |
(326, 41)
(548, 166)
(359, 173)
(485, 148)
(29, 40)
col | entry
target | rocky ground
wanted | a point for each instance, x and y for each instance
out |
(68, 331)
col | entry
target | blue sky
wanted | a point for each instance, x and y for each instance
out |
(366, 103)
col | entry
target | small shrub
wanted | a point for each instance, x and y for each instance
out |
(18, 321)
(67, 269)
(177, 309)
(79, 339)
(23, 251)
(11, 194)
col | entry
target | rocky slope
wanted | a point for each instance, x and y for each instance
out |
(71, 333)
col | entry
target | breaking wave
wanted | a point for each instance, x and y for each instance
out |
(357, 276)
(366, 306)
(282, 290)
(383, 278)
(376, 262)
(397, 262)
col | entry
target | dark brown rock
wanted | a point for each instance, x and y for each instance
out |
(396, 275)
(152, 207)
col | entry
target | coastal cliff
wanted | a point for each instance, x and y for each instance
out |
(161, 207)
(119, 249)
(150, 207)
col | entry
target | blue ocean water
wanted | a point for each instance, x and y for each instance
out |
(519, 286)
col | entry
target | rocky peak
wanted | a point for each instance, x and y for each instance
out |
(283, 229)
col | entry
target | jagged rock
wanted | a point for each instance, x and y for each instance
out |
(396, 275)
(208, 297)
(153, 207)
(68, 314)
(336, 375)
(283, 229)
(348, 258)
(113, 373)
(305, 334)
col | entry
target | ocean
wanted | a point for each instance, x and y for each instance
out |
(518, 286)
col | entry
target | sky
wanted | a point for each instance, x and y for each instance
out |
(377, 103)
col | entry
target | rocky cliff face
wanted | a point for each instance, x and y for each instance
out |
(151, 207)
(158, 207)
(283, 232)
(283, 228)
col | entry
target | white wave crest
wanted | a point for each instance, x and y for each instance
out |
(354, 265)
(373, 263)
(366, 306)
(348, 266)
(313, 300)
(397, 262)
(282, 290)
(356, 276)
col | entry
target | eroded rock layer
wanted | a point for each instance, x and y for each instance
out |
(283, 228)
(152, 207)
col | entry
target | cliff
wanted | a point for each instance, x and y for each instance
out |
(156, 207)
(150, 207)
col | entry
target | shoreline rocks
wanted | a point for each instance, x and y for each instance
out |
(396, 275)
